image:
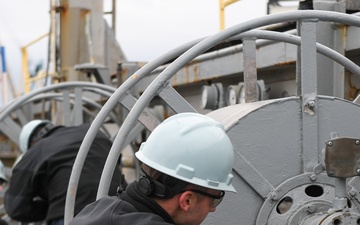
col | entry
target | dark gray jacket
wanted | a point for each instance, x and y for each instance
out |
(40, 180)
(133, 208)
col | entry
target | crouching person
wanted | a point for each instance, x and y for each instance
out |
(187, 163)
(40, 179)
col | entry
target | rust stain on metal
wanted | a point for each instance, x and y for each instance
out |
(191, 73)
(59, 9)
(174, 80)
(194, 67)
(187, 75)
(84, 12)
(63, 8)
(196, 72)
(343, 28)
(352, 91)
(124, 72)
(286, 63)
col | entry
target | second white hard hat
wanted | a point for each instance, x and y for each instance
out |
(26, 132)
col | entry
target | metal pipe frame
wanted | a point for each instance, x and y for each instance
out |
(194, 48)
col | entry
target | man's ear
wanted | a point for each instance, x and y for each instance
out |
(186, 200)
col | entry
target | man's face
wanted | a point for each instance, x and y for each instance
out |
(201, 206)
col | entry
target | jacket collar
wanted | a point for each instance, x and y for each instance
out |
(143, 203)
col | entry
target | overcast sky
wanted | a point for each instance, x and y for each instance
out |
(160, 25)
(145, 28)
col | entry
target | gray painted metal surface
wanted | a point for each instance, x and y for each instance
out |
(289, 133)
(278, 143)
(267, 138)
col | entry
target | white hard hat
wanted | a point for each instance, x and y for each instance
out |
(27, 131)
(191, 147)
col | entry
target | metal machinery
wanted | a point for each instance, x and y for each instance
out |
(288, 100)
(296, 157)
(89, 52)
(82, 48)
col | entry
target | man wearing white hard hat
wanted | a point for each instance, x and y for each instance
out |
(187, 163)
(39, 180)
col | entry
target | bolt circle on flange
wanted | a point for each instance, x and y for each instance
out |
(299, 198)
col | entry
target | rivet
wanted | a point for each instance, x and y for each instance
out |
(313, 177)
(310, 209)
(311, 104)
(352, 193)
(274, 196)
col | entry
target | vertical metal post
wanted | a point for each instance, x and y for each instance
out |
(309, 94)
(82, 34)
(330, 73)
(340, 32)
(78, 109)
(250, 73)
(298, 62)
(223, 4)
(53, 40)
(66, 108)
(340, 201)
(113, 17)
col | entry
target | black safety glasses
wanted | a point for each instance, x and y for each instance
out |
(215, 199)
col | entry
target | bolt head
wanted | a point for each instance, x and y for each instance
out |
(352, 193)
(312, 104)
(274, 197)
(311, 209)
(313, 177)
